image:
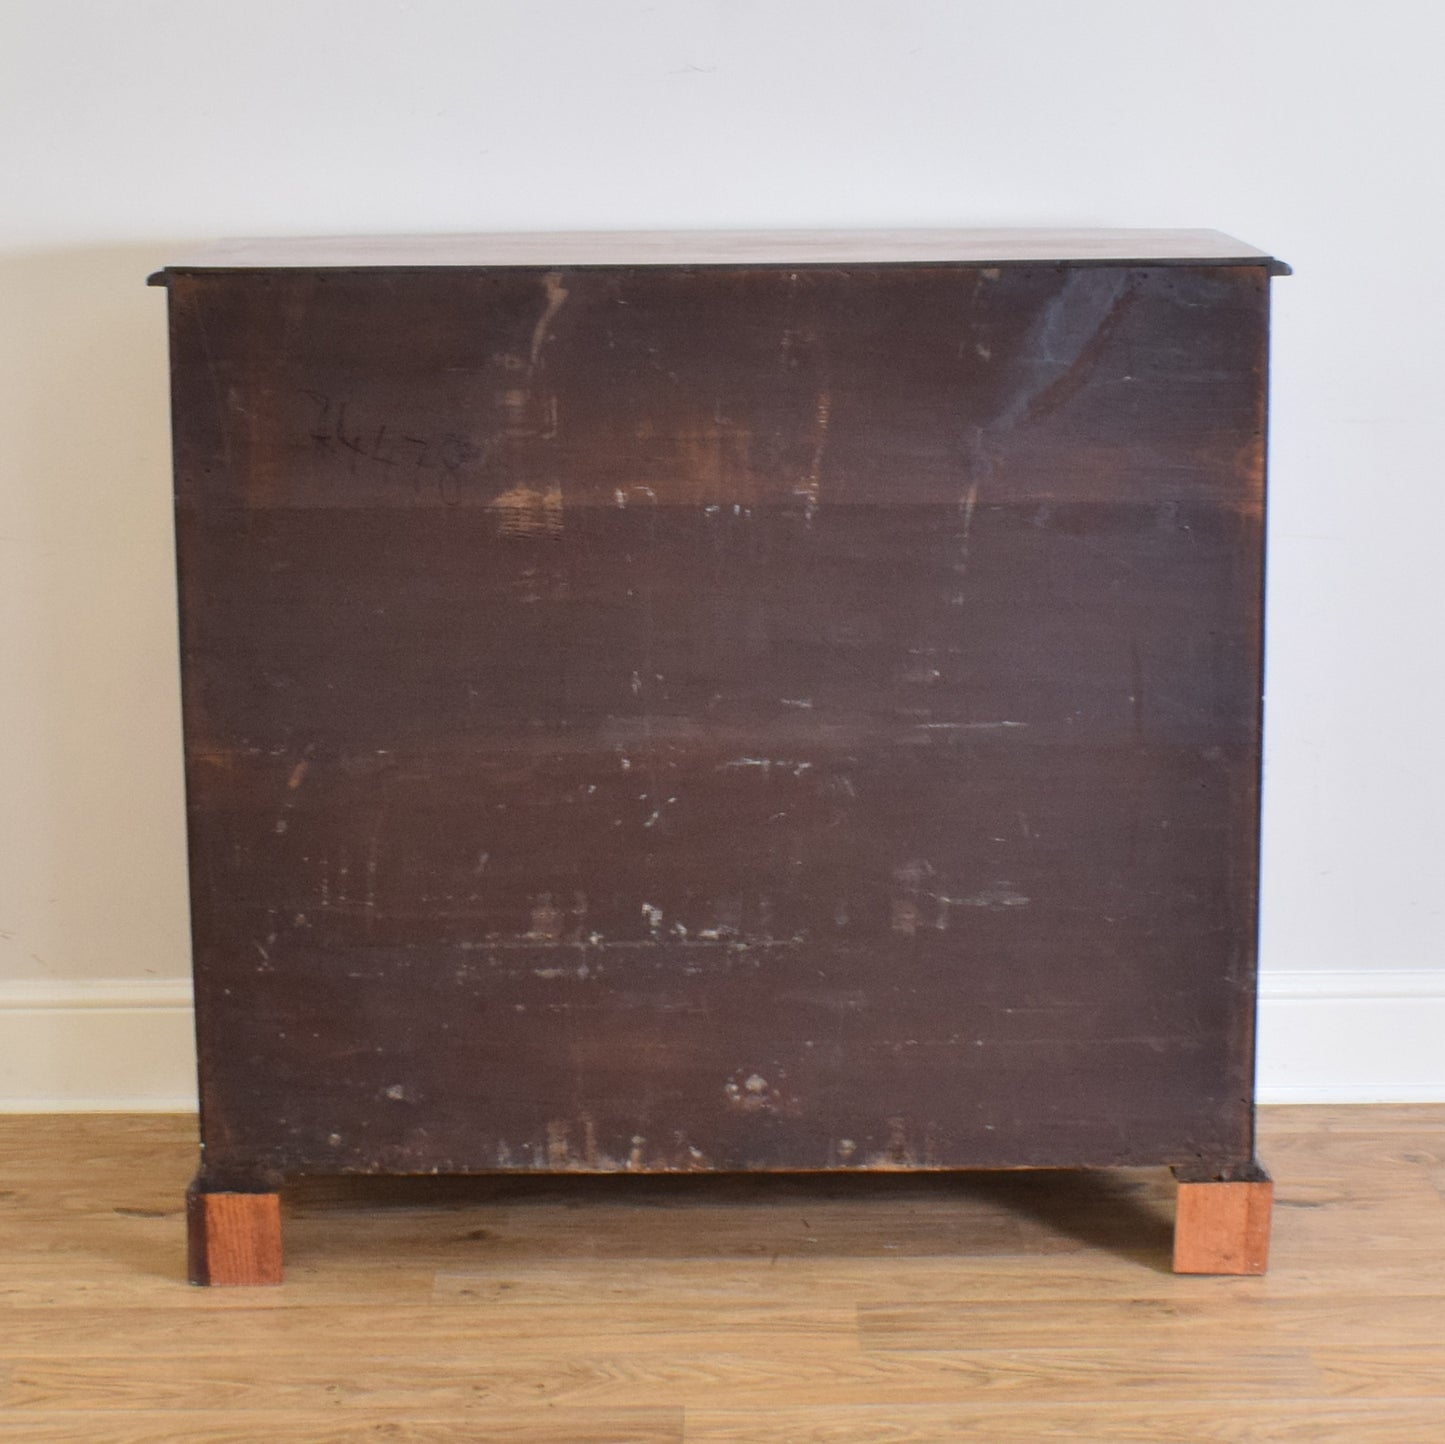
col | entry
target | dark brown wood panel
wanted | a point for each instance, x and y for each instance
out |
(722, 718)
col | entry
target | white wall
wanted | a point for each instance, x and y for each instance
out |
(130, 130)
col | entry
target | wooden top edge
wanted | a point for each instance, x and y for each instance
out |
(728, 248)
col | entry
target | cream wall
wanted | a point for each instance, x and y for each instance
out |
(128, 131)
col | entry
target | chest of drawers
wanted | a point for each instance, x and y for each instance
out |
(779, 702)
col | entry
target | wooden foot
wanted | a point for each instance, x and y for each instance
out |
(234, 1238)
(1223, 1227)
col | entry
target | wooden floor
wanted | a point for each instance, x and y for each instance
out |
(983, 1307)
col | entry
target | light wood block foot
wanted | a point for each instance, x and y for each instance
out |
(234, 1238)
(1223, 1227)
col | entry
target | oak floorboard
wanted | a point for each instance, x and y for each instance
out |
(593, 1373)
(1291, 1422)
(1374, 1371)
(1282, 1323)
(539, 1425)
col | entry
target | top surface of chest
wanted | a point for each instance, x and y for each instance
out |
(998, 246)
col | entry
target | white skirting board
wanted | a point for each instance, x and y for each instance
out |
(126, 1044)
(1356, 1037)
(111, 1046)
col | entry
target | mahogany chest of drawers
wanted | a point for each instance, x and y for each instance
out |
(753, 702)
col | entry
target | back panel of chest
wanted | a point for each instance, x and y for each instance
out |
(730, 717)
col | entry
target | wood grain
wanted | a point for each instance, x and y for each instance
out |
(1191, 1423)
(234, 1239)
(720, 1309)
(1223, 1227)
(540, 1425)
(603, 1375)
(1165, 1320)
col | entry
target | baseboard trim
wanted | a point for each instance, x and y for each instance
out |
(1352, 1037)
(126, 1045)
(1321, 985)
(114, 1045)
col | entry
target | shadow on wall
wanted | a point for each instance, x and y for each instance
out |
(92, 853)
